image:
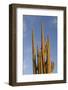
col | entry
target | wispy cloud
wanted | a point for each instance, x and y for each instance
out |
(54, 21)
(25, 67)
(24, 29)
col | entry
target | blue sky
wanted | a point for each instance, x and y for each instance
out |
(50, 28)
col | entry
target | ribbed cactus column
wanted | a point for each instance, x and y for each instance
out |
(48, 56)
(43, 48)
(33, 53)
(39, 58)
